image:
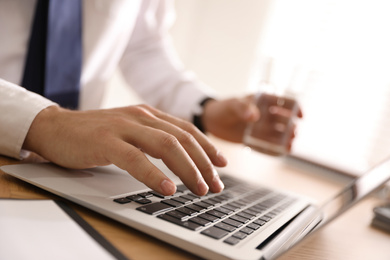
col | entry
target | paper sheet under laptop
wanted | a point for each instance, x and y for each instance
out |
(40, 229)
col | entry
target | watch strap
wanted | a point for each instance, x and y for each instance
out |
(197, 118)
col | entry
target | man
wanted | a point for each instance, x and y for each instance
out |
(132, 36)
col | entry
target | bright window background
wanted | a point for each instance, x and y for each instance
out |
(344, 47)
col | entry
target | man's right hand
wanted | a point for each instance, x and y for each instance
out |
(84, 139)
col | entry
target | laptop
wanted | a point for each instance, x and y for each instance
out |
(242, 222)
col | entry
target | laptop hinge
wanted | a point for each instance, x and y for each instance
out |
(290, 233)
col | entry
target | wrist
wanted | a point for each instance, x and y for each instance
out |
(40, 128)
(198, 118)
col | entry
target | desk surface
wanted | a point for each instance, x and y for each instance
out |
(348, 237)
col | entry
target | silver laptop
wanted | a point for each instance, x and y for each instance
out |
(242, 222)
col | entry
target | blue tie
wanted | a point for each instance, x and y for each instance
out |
(53, 64)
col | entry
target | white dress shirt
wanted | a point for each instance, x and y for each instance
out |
(131, 35)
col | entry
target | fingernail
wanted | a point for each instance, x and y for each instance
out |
(168, 187)
(217, 184)
(221, 158)
(202, 187)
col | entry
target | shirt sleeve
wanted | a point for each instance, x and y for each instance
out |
(152, 68)
(18, 109)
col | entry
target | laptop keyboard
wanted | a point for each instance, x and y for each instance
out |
(234, 214)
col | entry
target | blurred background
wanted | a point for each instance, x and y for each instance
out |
(338, 51)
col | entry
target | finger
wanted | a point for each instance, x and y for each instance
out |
(300, 113)
(163, 145)
(197, 154)
(132, 160)
(291, 139)
(197, 145)
(207, 147)
(216, 157)
(280, 111)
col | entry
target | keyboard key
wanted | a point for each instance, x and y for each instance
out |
(122, 200)
(193, 196)
(155, 208)
(215, 232)
(155, 193)
(203, 205)
(259, 222)
(236, 205)
(232, 223)
(243, 202)
(143, 201)
(228, 181)
(218, 214)
(211, 201)
(253, 226)
(208, 217)
(226, 227)
(172, 203)
(264, 204)
(221, 198)
(195, 208)
(189, 197)
(181, 188)
(177, 214)
(240, 235)
(239, 219)
(265, 218)
(224, 210)
(134, 197)
(187, 211)
(181, 200)
(252, 212)
(145, 195)
(232, 240)
(247, 230)
(187, 224)
(278, 210)
(200, 221)
(245, 215)
(271, 214)
(231, 206)
(258, 210)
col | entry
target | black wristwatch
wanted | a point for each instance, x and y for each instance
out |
(197, 118)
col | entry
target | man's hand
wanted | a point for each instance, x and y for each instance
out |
(228, 118)
(83, 139)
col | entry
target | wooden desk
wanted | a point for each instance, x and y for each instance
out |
(349, 237)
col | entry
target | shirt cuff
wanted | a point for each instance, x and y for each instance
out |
(19, 108)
